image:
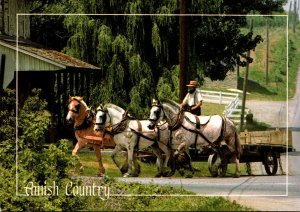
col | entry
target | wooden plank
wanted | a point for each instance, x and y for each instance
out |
(58, 96)
(88, 81)
(64, 97)
(94, 138)
(76, 84)
(2, 70)
(71, 83)
(82, 84)
(269, 137)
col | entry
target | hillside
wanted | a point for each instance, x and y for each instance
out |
(280, 78)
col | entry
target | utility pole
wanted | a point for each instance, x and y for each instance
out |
(245, 84)
(295, 16)
(267, 52)
(237, 72)
(183, 54)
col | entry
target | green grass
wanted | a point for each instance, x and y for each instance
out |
(139, 202)
(172, 199)
(280, 83)
(88, 160)
(212, 109)
(278, 78)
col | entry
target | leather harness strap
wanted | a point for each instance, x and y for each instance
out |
(138, 134)
(197, 122)
(198, 128)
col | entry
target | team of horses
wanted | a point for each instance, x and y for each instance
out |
(167, 129)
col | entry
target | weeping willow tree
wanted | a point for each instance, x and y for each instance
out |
(132, 51)
(139, 54)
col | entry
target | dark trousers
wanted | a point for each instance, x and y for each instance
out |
(196, 112)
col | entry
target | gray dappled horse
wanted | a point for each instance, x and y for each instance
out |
(199, 131)
(132, 135)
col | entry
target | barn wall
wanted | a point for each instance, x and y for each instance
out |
(8, 11)
(26, 63)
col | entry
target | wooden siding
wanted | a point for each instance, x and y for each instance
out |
(26, 63)
(9, 11)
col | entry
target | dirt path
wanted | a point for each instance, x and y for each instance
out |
(277, 113)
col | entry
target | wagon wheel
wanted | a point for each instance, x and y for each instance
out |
(216, 166)
(271, 163)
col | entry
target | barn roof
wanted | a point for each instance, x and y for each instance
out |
(48, 55)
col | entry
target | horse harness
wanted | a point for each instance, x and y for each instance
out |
(178, 124)
(119, 127)
(88, 119)
(213, 144)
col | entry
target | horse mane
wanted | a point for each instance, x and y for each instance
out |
(119, 109)
(171, 102)
(80, 99)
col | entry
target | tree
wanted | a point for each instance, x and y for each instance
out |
(36, 163)
(134, 51)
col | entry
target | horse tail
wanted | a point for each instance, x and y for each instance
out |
(238, 147)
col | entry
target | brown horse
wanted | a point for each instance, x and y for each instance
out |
(84, 120)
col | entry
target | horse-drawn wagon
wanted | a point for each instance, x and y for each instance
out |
(257, 146)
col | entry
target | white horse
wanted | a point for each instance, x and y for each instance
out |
(200, 131)
(132, 135)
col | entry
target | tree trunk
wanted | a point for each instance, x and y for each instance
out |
(245, 84)
(267, 52)
(183, 49)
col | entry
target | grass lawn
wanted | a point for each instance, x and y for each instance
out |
(212, 109)
(88, 160)
(280, 80)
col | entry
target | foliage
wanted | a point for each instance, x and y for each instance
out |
(139, 197)
(280, 79)
(134, 52)
(39, 165)
(36, 163)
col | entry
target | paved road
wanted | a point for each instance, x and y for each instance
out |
(278, 113)
(266, 193)
(259, 192)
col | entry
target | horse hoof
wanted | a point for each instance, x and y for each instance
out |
(158, 175)
(127, 175)
(135, 175)
(237, 175)
(124, 170)
(101, 175)
(171, 173)
(81, 169)
(166, 174)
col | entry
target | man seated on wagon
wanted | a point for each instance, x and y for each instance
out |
(193, 99)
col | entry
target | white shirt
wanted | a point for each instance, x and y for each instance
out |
(192, 99)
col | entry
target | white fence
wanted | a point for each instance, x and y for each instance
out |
(218, 97)
(231, 100)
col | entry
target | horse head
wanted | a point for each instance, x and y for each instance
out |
(156, 114)
(165, 109)
(101, 118)
(108, 114)
(77, 108)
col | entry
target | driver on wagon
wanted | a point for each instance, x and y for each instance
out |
(193, 99)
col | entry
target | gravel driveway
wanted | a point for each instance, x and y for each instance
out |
(277, 113)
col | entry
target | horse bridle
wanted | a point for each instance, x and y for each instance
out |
(101, 109)
(164, 114)
(157, 116)
(77, 107)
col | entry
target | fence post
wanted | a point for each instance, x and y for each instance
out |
(220, 97)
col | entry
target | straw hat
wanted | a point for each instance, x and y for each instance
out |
(193, 83)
